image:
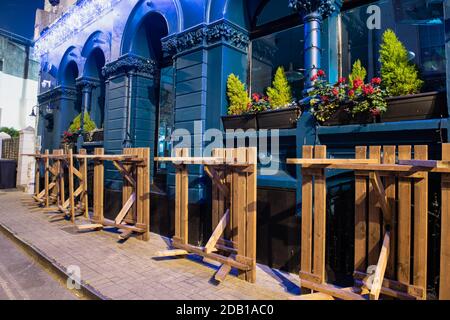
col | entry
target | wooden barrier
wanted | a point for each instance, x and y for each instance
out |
(233, 240)
(134, 215)
(384, 241)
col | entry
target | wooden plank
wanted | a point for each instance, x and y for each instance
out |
(313, 162)
(404, 221)
(251, 212)
(335, 291)
(307, 205)
(128, 188)
(389, 157)
(212, 173)
(178, 198)
(425, 163)
(381, 269)
(374, 234)
(123, 212)
(125, 173)
(217, 232)
(444, 278)
(315, 297)
(143, 218)
(397, 289)
(125, 234)
(420, 224)
(320, 195)
(222, 273)
(93, 226)
(360, 215)
(171, 253)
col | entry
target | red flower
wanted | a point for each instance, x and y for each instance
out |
(375, 112)
(342, 80)
(376, 81)
(368, 89)
(255, 97)
(320, 73)
(324, 98)
(314, 77)
(351, 93)
(335, 92)
(357, 83)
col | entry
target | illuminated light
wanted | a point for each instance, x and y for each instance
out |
(80, 15)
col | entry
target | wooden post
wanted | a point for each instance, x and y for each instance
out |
(127, 188)
(420, 224)
(37, 181)
(389, 158)
(444, 279)
(98, 187)
(404, 221)
(62, 191)
(143, 193)
(47, 167)
(307, 205)
(360, 215)
(320, 197)
(374, 234)
(84, 199)
(71, 187)
(251, 212)
(181, 199)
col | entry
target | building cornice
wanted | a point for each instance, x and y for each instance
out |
(61, 91)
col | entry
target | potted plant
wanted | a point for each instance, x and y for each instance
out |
(400, 78)
(282, 112)
(347, 102)
(240, 113)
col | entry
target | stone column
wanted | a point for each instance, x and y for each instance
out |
(25, 164)
(87, 85)
(313, 12)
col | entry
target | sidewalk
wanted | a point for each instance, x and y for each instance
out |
(128, 270)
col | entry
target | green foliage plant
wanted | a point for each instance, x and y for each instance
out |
(400, 76)
(280, 93)
(238, 100)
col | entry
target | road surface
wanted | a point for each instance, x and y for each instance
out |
(22, 278)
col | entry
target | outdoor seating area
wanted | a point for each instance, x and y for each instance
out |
(391, 206)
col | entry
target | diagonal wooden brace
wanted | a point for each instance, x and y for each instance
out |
(375, 179)
(125, 209)
(212, 173)
(210, 246)
(126, 174)
(381, 269)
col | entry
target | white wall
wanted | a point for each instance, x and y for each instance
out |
(17, 98)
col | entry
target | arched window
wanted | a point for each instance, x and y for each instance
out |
(277, 41)
(93, 71)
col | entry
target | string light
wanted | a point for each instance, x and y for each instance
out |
(73, 21)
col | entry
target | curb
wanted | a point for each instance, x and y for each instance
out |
(86, 290)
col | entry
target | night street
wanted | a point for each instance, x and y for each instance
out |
(21, 278)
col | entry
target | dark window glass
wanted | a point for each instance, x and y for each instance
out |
(284, 48)
(419, 24)
(274, 10)
(1, 65)
(166, 115)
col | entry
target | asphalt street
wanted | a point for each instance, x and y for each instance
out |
(22, 278)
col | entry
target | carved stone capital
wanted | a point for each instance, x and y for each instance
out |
(58, 92)
(324, 8)
(130, 63)
(205, 35)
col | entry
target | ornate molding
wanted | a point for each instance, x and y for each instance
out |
(129, 63)
(206, 35)
(65, 92)
(88, 84)
(322, 7)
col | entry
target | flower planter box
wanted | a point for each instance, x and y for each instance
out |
(93, 136)
(429, 105)
(342, 117)
(244, 122)
(278, 119)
